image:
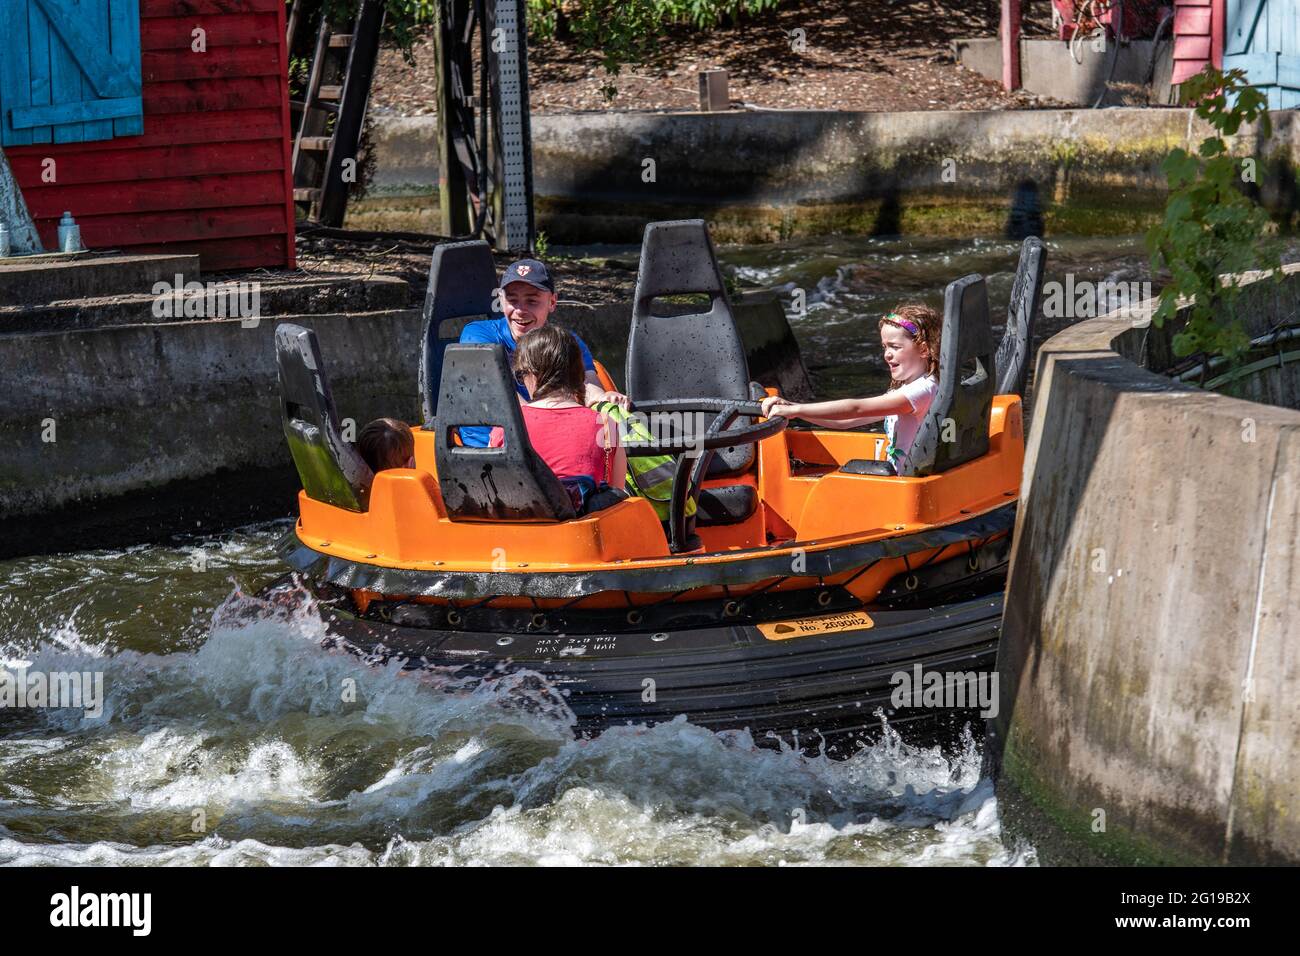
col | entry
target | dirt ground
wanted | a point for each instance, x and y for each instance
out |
(806, 54)
(334, 253)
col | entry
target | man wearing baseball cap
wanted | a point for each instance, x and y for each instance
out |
(527, 300)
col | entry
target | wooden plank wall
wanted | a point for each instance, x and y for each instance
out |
(211, 173)
(1198, 36)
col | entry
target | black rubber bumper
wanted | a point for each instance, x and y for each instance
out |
(830, 687)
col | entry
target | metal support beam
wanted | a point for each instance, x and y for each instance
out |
(484, 141)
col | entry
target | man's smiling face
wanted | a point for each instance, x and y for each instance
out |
(526, 307)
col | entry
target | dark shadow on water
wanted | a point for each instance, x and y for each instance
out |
(1026, 216)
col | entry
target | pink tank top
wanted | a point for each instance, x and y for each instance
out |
(570, 440)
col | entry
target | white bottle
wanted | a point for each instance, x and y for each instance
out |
(69, 234)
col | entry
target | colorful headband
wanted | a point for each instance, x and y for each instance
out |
(907, 325)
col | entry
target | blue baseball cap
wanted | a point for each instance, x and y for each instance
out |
(532, 272)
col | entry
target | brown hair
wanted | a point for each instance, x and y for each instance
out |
(552, 355)
(386, 443)
(929, 326)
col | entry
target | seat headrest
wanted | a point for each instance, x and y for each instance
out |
(462, 278)
(490, 484)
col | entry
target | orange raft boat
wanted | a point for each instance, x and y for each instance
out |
(808, 579)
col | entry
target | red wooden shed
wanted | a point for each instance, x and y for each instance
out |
(161, 125)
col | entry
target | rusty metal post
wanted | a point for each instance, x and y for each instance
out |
(1009, 31)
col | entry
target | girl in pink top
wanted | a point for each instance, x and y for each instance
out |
(571, 438)
(909, 337)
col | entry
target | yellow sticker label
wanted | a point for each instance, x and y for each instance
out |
(808, 626)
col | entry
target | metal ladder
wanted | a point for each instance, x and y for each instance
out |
(332, 112)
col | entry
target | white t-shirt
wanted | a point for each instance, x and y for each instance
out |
(902, 429)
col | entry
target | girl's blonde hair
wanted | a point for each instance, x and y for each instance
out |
(929, 329)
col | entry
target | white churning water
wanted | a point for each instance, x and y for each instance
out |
(230, 737)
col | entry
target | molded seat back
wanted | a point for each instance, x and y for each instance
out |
(490, 484)
(462, 279)
(956, 428)
(697, 355)
(1026, 302)
(329, 467)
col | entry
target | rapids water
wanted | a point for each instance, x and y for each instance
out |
(228, 737)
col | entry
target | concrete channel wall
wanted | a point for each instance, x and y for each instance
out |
(131, 432)
(1150, 657)
(762, 176)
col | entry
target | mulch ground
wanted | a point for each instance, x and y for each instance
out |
(854, 55)
(353, 254)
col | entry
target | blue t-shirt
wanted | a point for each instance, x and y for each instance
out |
(497, 332)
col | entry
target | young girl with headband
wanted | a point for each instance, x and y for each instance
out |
(910, 338)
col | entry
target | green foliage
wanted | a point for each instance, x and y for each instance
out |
(1212, 227)
(628, 31)
(402, 18)
(541, 243)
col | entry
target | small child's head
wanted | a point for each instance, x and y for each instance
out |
(910, 337)
(387, 443)
(527, 296)
(548, 362)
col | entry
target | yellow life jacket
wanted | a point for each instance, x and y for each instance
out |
(650, 477)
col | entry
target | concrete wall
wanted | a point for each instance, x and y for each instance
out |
(1047, 68)
(762, 176)
(1150, 657)
(128, 433)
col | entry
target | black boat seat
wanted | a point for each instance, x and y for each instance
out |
(462, 278)
(490, 484)
(868, 466)
(956, 428)
(1012, 360)
(329, 467)
(726, 504)
(694, 355)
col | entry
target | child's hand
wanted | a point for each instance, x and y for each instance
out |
(618, 398)
(776, 405)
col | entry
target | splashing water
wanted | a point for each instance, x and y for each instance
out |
(230, 737)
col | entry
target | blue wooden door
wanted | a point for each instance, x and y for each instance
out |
(69, 70)
(1263, 38)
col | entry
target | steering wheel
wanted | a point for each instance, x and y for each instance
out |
(694, 450)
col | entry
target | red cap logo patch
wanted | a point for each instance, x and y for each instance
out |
(524, 270)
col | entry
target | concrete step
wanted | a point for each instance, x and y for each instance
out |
(50, 278)
(275, 299)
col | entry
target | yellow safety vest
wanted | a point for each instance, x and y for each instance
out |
(650, 477)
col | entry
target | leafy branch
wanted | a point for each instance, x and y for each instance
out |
(1212, 229)
(627, 32)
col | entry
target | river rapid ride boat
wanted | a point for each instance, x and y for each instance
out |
(808, 579)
